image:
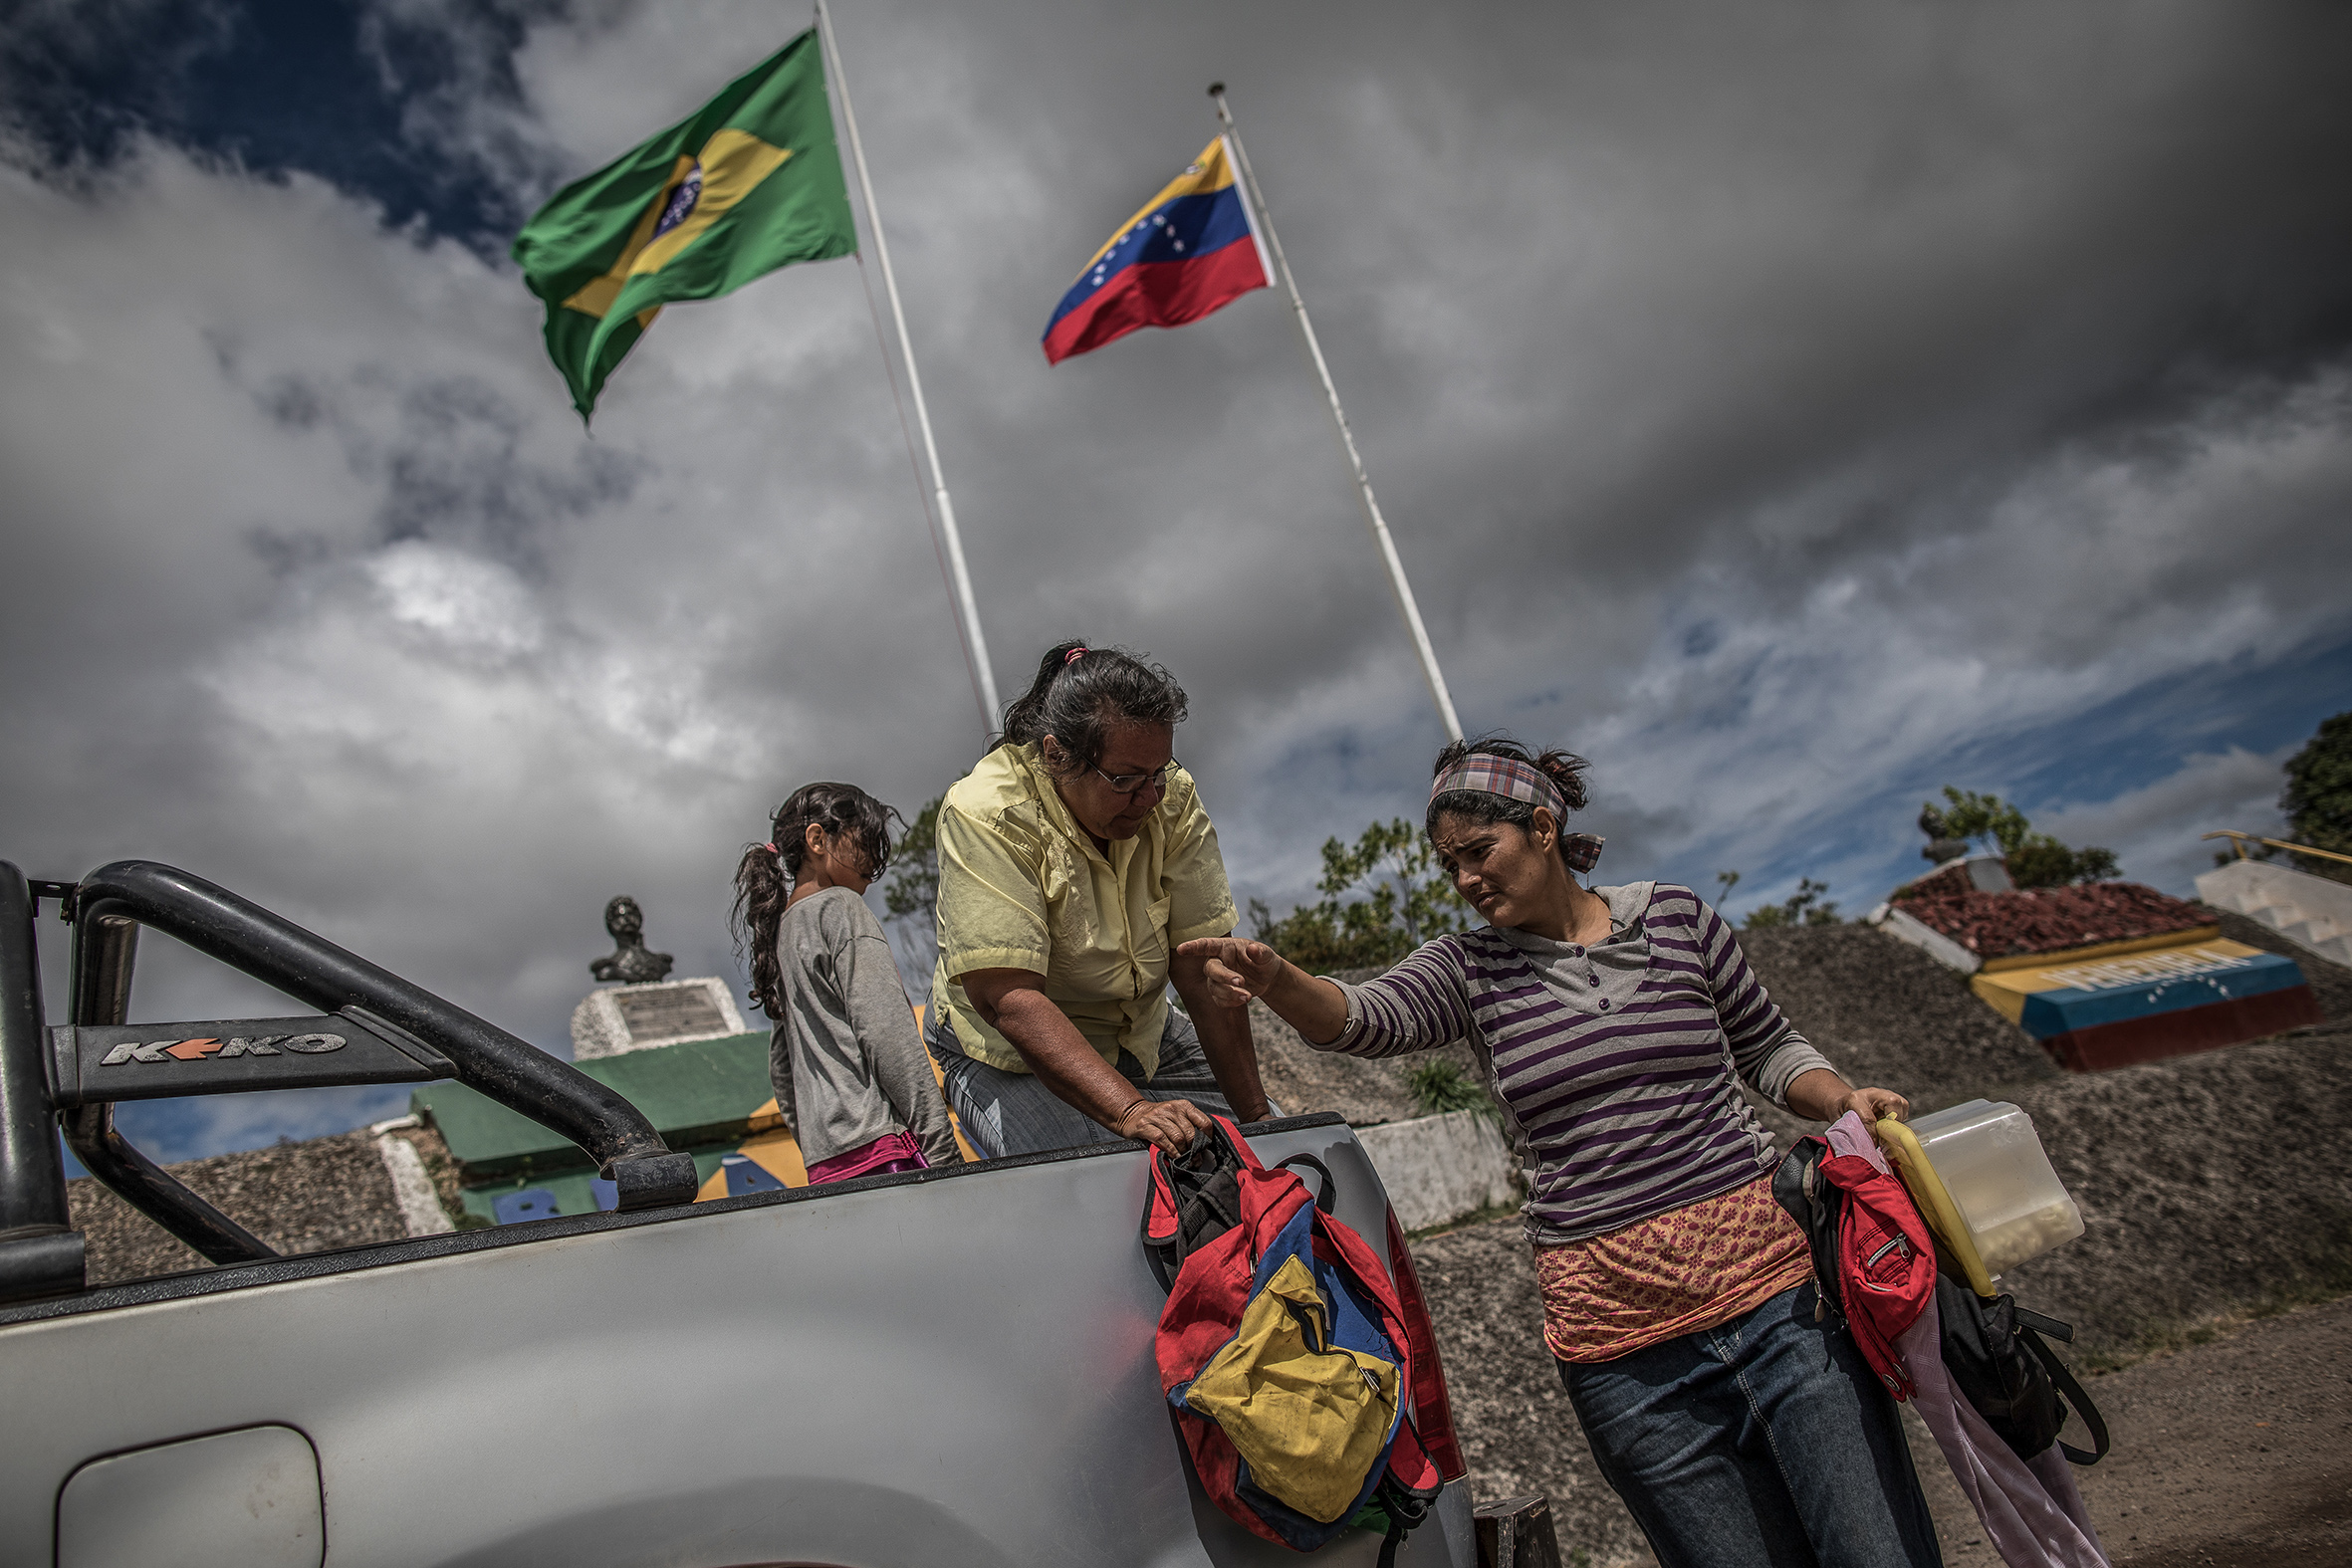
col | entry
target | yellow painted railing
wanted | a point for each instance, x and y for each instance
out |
(2238, 841)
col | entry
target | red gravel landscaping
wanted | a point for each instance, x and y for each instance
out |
(2051, 919)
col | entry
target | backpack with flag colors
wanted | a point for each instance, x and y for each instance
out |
(1291, 1363)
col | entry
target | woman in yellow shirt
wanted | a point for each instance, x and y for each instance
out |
(1073, 861)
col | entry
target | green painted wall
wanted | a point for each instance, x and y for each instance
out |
(697, 1095)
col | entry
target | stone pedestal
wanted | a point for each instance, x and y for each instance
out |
(621, 1019)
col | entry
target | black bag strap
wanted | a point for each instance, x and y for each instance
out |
(2061, 1332)
(1157, 1260)
(2068, 1390)
(1167, 1258)
(1817, 1204)
(1405, 1511)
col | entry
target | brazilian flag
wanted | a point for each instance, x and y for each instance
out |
(750, 185)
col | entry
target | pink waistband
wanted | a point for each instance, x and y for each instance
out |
(887, 1155)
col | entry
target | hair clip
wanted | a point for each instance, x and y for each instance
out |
(1073, 656)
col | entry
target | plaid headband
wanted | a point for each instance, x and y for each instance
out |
(1483, 772)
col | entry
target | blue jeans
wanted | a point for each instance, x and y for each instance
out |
(1763, 1443)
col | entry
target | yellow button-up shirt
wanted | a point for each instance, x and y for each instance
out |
(1022, 886)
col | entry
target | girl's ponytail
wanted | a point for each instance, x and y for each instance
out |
(760, 894)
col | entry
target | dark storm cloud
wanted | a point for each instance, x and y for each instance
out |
(272, 85)
(1792, 411)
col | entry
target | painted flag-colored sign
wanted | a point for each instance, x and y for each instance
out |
(2095, 1012)
(750, 185)
(1192, 249)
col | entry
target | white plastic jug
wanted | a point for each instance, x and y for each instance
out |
(1993, 1163)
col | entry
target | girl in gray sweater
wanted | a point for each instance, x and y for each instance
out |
(850, 1073)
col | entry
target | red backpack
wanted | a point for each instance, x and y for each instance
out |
(1284, 1351)
(1873, 1259)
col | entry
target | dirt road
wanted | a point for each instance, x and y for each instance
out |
(2235, 1454)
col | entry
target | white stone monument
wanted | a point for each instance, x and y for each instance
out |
(646, 1007)
(617, 1019)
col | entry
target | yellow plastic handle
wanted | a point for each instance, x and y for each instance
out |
(1934, 1204)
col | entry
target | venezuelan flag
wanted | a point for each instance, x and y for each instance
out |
(1191, 250)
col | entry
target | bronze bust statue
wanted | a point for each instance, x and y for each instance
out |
(630, 962)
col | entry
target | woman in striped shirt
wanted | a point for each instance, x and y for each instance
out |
(1616, 1025)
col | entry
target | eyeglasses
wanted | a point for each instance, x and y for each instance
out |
(1135, 784)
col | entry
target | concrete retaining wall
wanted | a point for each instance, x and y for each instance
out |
(1440, 1168)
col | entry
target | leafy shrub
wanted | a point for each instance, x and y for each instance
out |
(912, 893)
(1804, 907)
(1439, 1086)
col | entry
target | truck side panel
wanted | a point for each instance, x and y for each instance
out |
(953, 1370)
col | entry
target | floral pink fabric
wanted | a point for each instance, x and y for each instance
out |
(1675, 1274)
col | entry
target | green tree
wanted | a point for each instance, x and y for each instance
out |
(912, 893)
(1982, 816)
(2035, 859)
(1400, 900)
(1804, 907)
(2318, 798)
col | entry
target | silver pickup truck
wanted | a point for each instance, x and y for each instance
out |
(947, 1368)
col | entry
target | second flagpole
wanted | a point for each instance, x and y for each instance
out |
(967, 608)
(1355, 461)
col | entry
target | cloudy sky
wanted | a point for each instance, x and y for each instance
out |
(1792, 409)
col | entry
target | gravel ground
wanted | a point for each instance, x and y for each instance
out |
(2210, 1184)
(1518, 1433)
(1885, 1012)
(299, 1197)
(1301, 1079)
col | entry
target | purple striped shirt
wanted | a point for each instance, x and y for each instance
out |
(1618, 1065)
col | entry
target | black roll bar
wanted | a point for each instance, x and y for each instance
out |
(277, 952)
(40, 1252)
(156, 1192)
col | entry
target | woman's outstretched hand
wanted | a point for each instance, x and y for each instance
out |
(1875, 1105)
(1235, 970)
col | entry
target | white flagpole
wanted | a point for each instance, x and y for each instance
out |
(1355, 461)
(968, 610)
